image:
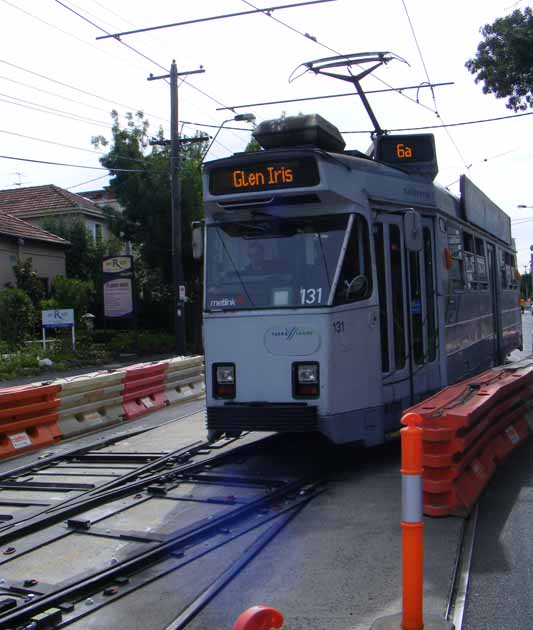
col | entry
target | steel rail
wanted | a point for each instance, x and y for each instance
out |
(461, 574)
(146, 558)
(87, 501)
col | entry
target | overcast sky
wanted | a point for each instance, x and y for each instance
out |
(248, 59)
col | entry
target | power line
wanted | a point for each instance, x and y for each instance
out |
(194, 87)
(92, 168)
(72, 87)
(86, 19)
(459, 124)
(54, 112)
(87, 181)
(67, 33)
(333, 50)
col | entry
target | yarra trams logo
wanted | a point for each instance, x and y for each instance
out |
(290, 333)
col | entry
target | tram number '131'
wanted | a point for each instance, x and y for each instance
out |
(311, 296)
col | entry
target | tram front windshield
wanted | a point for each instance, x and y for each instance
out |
(273, 263)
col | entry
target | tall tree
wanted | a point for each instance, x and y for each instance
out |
(504, 59)
(144, 191)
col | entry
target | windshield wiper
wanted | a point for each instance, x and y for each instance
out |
(234, 268)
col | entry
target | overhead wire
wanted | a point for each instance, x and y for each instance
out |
(83, 166)
(67, 33)
(458, 124)
(333, 50)
(452, 140)
(185, 79)
(87, 181)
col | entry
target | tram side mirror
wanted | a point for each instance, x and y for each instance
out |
(412, 227)
(197, 240)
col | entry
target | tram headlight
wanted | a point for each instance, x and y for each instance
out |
(224, 380)
(305, 380)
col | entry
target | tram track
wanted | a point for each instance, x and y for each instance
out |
(154, 520)
(461, 572)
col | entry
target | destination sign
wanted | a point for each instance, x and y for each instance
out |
(261, 176)
(406, 149)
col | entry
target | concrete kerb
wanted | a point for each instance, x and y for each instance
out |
(394, 622)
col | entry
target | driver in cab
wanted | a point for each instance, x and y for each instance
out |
(256, 259)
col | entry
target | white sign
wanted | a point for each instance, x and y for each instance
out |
(117, 264)
(20, 440)
(118, 297)
(63, 318)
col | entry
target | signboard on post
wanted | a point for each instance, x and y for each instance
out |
(58, 318)
(118, 287)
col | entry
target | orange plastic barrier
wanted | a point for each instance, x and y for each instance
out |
(469, 429)
(259, 618)
(28, 418)
(144, 389)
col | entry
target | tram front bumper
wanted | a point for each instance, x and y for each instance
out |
(279, 417)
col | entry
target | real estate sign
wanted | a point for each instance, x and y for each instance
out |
(118, 286)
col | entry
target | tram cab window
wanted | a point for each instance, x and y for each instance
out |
(355, 279)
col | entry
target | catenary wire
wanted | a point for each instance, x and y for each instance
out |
(458, 124)
(448, 133)
(185, 79)
(326, 47)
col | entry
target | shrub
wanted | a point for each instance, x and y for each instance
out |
(71, 293)
(16, 316)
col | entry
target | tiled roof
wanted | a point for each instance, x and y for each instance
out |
(33, 200)
(12, 226)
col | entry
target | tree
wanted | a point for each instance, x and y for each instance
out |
(504, 59)
(83, 257)
(16, 316)
(28, 281)
(145, 192)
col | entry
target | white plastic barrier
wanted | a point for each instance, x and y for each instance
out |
(184, 379)
(90, 401)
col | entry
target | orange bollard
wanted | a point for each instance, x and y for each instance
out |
(412, 615)
(259, 618)
(412, 524)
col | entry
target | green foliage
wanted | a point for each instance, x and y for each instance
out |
(71, 293)
(148, 342)
(28, 281)
(504, 59)
(16, 316)
(84, 256)
(25, 362)
(145, 195)
(253, 146)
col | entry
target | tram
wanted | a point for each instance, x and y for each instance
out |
(341, 288)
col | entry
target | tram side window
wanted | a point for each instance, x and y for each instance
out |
(508, 270)
(469, 260)
(481, 265)
(430, 295)
(355, 280)
(455, 246)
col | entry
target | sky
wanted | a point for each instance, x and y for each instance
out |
(58, 83)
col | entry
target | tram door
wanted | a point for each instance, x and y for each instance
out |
(408, 317)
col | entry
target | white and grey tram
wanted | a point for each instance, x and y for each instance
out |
(340, 288)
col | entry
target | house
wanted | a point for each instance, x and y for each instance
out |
(20, 240)
(37, 204)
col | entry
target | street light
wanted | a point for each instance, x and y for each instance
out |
(521, 205)
(249, 117)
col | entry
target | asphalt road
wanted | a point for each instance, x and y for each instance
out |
(501, 576)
